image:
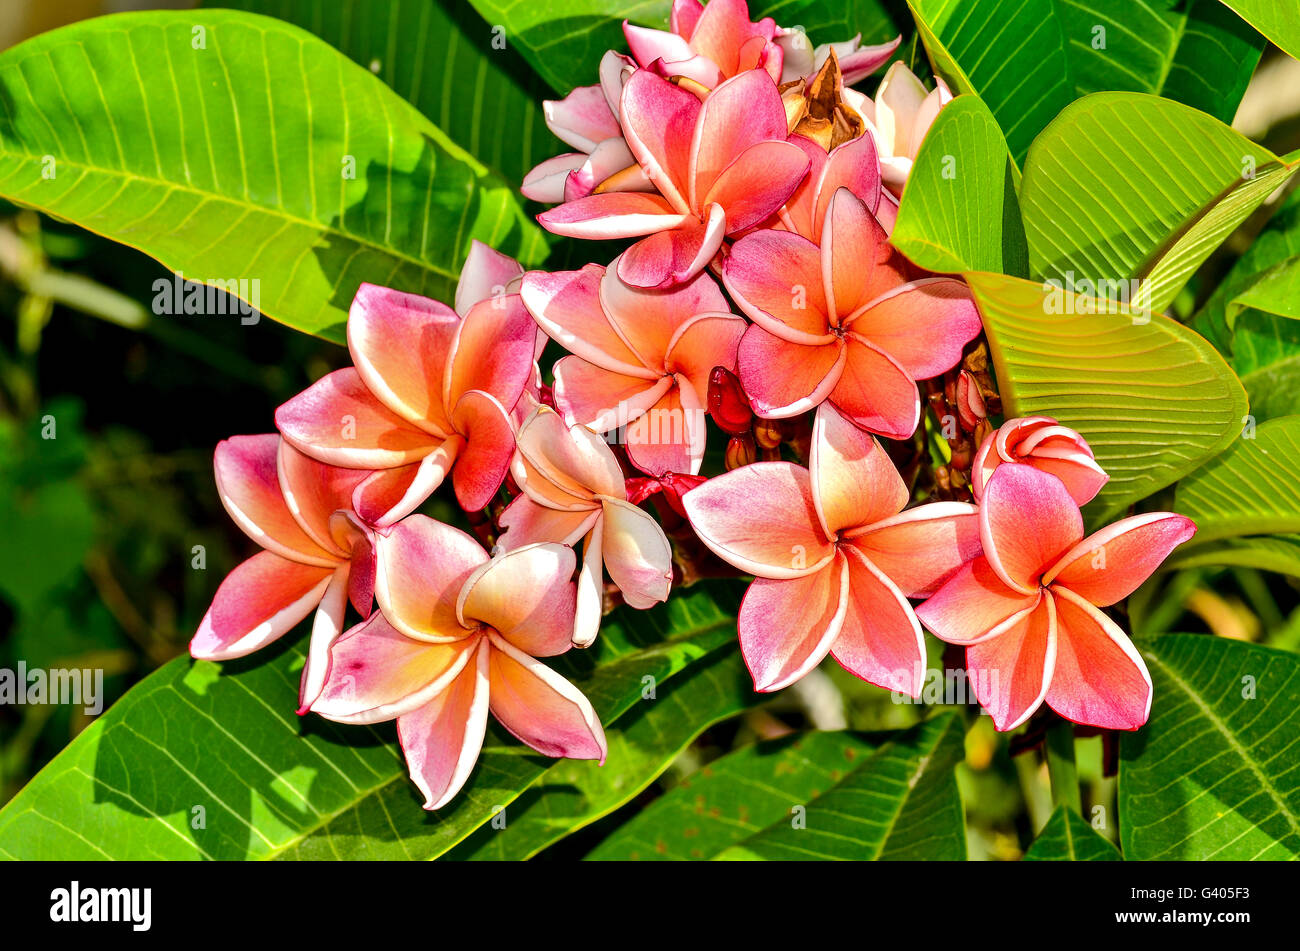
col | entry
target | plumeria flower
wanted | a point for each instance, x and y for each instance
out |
(573, 489)
(721, 166)
(1045, 444)
(841, 322)
(318, 554)
(456, 637)
(1027, 609)
(708, 43)
(641, 359)
(836, 558)
(431, 388)
(801, 60)
(899, 118)
(853, 165)
(587, 120)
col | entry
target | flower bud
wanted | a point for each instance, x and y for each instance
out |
(768, 433)
(728, 404)
(741, 451)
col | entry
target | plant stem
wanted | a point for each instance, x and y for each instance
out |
(1060, 765)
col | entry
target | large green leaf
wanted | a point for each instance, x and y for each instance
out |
(1131, 188)
(1213, 774)
(900, 803)
(231, 161)
(1068, 837)
(271, 785)
(959, 210)
(737, 796)
(1276, 20)
(1279, 553)
(1153, 399)
(1251, 489)
(642, 744)
(1030, 59)
(438, 55)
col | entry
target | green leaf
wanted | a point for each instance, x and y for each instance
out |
(1213, 773)
(230, 162)
(224, 737)
(1068, 837)
(1278, 553)
(1028, 60)
(642, 744)
(900, 803)
(737, 796)
(1251, 489)
(438, 55)
(960, 211)
(1276, 291)
(1126, 189)
(1153, 399)
(833, 22)
(565, 39)
(1277, 21)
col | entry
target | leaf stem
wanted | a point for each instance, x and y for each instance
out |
(1061, 770)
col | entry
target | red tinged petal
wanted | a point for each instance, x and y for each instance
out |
(757, 183)
(567, 306)
(442, 739)
(785, 379)
(855, 256)
(761, 518)
(636, 553)
(377, 673)
(1111, 564)
(400, 344)
(973, 604)
(1082, 476)
(572, 458)
(669, 257)
(659, 122)
(1013, 670)
(647, 321)
(493, 352)
(775, 278)
(582, 119)
(326, 627)
(685, 15)
(701, 344)
(339, 421)
(524, 522)
(723, 32)
(526, 596)
(923, 325)
(854, 483)
(801, 207)
(602, 399)
(922, 548)
(422, 566)
(486, 274)
(1099, 678)
(361, 576)
(1027, 522)
(670, 435)
(613, 215)
(261, 599)
(489, 444)
(314, 491)
(739, 113)
(727, 402)
(547, 182)
(875, 391)
(853, 165)
(387, 496)
(540, 707)
(248, 484)
(788, 626)
(881, 641)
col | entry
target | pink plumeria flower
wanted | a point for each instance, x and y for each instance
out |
(721, 166)
(1045, 444)
(1027, 609)
(641, 359)
(708, 43)
(899, 118)
(456, 637)
(318, 554)
(431, 388)
(852, 165)
(587, 120)
(836, 558)
(801, 60)
(573, 488)
(841, 322)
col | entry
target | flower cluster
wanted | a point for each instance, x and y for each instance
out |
(760, 296)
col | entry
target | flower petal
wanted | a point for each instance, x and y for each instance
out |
(261, 599)
(547, 181)
(590, 605)
(757, 183)
(581, 119)
(602, 399)
(775, 278)
(493, 352)
(784, 379)
(422, 565)
(314, 491)
(572, 457)
(670, 435)
(739, 113)
(636, 553)
(648, 321)
(923, 325)
(674, 255)
(854, 483)
(875, 392)
(973, 604)
(781, 538)
(387, 496)
(659, 121)
(524, 522)
(1111, 564)
(856, 258)
(526, 596)
(326, 627)
(1099, 678)
(703, 342)
(442, 739)
(540, 707)
(788, 626)
(567, 306)
(881, 641)
(613, 215)
(1027, 522)
(922, 548)
(482, 464)
(1013, 670)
